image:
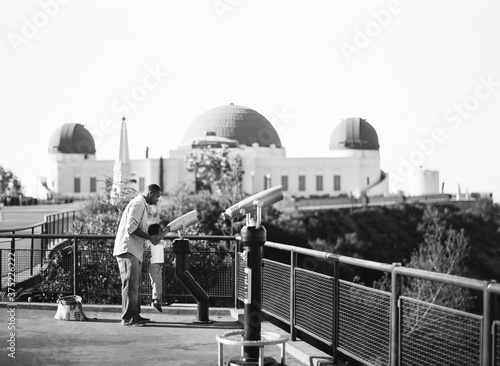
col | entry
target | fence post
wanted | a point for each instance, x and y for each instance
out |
(395, 293)
(336, 309)
(236, 275)
(1, 267)
(13, 246)
(32, 249)
(487, 323)
(45, 241)
(75, 267)
(293, 264)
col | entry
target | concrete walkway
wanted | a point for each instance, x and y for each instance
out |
(173, 338)
(23, 216)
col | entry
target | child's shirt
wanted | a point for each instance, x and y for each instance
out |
(157, 254)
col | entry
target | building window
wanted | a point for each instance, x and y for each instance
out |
(93, 185)
(142, 184)
(302, 182)
(267, 181)
(336, 182)
(284, 182)
(77, 185)
(319, 182)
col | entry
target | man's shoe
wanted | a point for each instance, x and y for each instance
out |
(157, 306)
(142, 320)
(134, 322)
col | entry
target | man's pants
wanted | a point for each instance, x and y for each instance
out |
(130, 273)
(155, 274)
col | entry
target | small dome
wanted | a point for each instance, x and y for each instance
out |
(354, 133)
(72, 138)
(233, 122)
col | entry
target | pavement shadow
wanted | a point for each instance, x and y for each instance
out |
(102, 320)
(217, 325)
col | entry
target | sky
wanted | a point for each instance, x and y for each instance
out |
(425, 74)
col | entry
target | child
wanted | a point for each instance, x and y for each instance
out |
(155, 269)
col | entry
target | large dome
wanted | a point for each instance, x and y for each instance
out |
(354, 133)
(72, 138)
(236, 123)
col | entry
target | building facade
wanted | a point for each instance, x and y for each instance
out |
(352, 167)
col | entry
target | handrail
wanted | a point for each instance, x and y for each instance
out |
(21, 228)
(441, 277)
(494, 288)
(331, 256)
(90, 236)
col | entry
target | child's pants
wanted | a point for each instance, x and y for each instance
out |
(155, 274)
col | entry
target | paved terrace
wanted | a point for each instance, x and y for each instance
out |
(22, 216)
(173, 338)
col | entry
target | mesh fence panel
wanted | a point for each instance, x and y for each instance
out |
(496, 343)
(364, 323)
(276, 289)
(433, 335)
(23, 260)
(242, 279)
(55, 276)
(47, 274)
(314, 304)
(99, 276)
(213, 271)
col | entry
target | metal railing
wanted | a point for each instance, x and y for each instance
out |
(372, 326)
(303, 290)
(93, 272)
(56, 223)
(31, 238)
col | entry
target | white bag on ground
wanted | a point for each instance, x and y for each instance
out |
(70, 308)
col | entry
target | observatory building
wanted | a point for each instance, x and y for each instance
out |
(350, 167)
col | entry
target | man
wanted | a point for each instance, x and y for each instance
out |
(129, 249)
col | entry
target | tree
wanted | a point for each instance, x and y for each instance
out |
(217, 170)
(486, 209)
(97, 275)
(180, 200)
(10, 186)
(444, 250)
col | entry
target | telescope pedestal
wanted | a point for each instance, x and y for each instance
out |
(253, 238)
(181, 250)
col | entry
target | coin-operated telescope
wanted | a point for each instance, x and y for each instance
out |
(255, 203)
(180, 247)
(182, 222)
(253, 237)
